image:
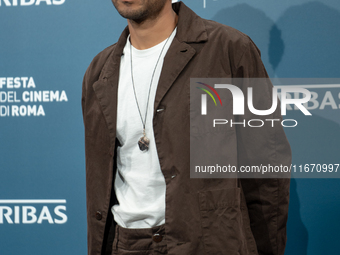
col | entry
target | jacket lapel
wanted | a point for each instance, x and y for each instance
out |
(107, 97)
(178, 56)
(106, 88)
(190, 29)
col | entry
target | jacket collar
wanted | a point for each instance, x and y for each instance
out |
(190, 29)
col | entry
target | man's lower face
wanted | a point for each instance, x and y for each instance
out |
(139, 10)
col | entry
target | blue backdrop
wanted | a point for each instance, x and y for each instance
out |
(45, 48)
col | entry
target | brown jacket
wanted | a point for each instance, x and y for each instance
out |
(203, 216)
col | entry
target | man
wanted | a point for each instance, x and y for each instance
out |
(140, 197)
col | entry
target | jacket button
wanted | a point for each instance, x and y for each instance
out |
(157, 238)
(99, 215)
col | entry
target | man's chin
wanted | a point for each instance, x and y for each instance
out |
(130, 11)
(139, 11)
(136, 16)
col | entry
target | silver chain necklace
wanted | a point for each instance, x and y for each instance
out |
(143, 142)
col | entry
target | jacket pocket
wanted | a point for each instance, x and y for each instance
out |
(221, 221)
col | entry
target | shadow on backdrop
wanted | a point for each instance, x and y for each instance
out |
(303, 43)
(311, 36)
(260, 28)
(297, 232)
(314, 203)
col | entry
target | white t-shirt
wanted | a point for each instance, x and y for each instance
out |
(140, 184)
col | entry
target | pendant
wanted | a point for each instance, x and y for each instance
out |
(143, 143)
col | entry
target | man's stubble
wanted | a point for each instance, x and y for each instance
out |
(139, 10)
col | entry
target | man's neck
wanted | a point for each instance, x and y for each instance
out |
(153, 31)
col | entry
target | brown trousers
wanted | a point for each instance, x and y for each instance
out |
(145, 241)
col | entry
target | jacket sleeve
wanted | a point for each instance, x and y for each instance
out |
(266, 198)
